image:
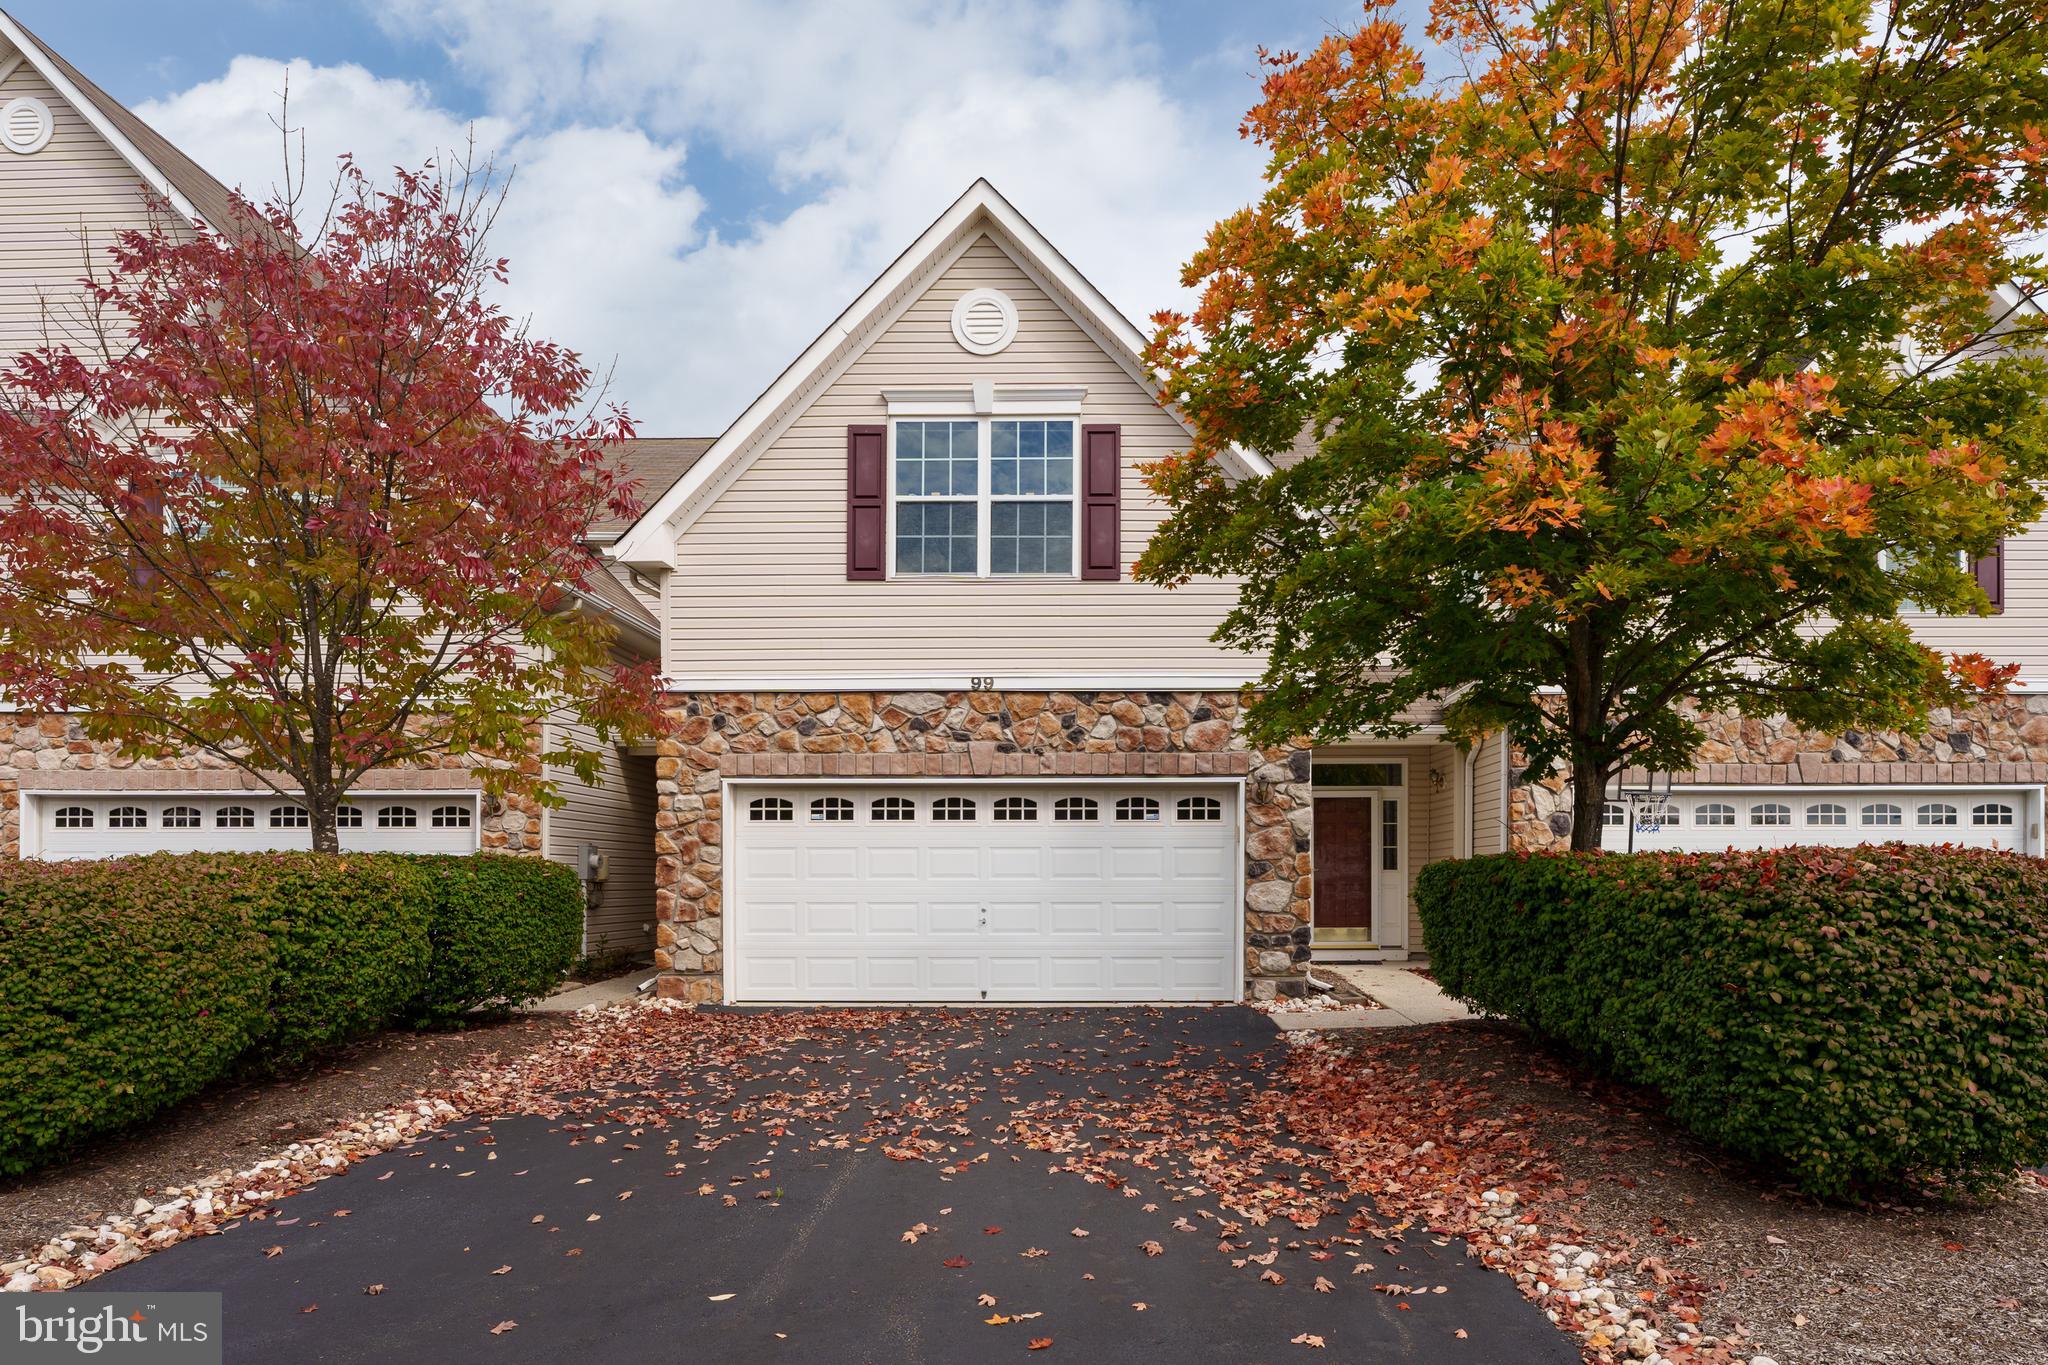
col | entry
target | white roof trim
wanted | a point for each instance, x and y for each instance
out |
(650, 541)
(90, 112)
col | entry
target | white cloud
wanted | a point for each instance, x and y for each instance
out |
(868, 118)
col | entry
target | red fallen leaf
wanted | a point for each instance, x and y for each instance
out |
(991, 1231)
(503, 1327)
(1951, 1246)
(956, 1263)
(1039, 1343)
(310, 1308)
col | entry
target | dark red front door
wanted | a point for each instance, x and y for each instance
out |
(1343, 862)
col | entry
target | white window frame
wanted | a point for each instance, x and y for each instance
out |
(984, 499)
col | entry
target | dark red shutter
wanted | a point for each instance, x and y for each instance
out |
(1102, 469)
(1990, 571)
(867, 510)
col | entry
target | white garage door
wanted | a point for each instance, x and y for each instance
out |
(1771, 817)
(985, 891)
(108, 826)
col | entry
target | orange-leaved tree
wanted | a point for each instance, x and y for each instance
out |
(313, 508)
(1664, 356)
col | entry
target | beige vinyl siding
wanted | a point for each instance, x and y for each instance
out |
(617, 816)
(760, 586)
(56, 205)
(1489, 797)
(2016, 635)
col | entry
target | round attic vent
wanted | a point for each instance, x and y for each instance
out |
(25, 125)
(984, 321)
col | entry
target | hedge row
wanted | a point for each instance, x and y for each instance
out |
(1855, 1017)
(128, 985)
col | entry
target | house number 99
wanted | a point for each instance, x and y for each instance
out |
(981, 684)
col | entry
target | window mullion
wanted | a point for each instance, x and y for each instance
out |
(984, 512)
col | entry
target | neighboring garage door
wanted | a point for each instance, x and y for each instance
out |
(1770, 817)
(989, 891)
(71, 826)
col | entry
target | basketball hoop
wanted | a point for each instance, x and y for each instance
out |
(1645, 794)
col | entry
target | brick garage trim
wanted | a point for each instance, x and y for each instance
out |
(145, 780)
(986, 763)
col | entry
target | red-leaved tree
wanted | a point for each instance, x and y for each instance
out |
(313, 507)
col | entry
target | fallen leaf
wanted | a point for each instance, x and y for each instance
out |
(997, 1319)
(1323, 1286)
(1080, 1232)
(956, 1263)
(1033, 1253)
(502, 1270)
(310, 1308)
(1307, 1339)
(1272, 1277)
(1141, 1307)
(721, 1298)
(373, 1289)
(538, 1218)
(991, 1231)
(272, 1251)
(1152, 1248)
(503, 1327)
(713, 1189)
(987, 1300)
(1039, 1343)
(625, 1195)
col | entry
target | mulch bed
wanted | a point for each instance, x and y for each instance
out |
(230, 1127)
(1817, 1284)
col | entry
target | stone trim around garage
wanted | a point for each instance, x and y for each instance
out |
(1998, 743)
(50, 753)
(969, 734)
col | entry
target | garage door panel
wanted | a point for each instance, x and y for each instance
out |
(944, 863)
(1065, 863)
(76, 825)
(1017, 909)
(892, 917)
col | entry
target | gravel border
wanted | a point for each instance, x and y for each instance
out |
(1799, 1281)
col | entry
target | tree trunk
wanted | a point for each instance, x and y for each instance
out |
(1589, 796)
(323, 802)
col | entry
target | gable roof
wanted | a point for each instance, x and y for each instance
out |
(177, 177)
(650, 541)
(656, 462)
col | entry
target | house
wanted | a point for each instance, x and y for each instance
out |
(73, 167)
(934, 743)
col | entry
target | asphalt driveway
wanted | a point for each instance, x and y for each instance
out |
(862, 1186)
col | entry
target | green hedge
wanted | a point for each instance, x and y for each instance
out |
(122, 989)
(127, 985)
(1872, 1016)
(352, 938)
(504, 930)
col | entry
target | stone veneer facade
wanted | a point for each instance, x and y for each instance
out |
(886, 735)
(2000, 742)
(40, 753)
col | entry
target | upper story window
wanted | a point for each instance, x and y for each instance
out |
(986, 498)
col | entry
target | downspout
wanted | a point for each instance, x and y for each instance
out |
(1468, 814)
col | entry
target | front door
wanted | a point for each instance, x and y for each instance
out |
(1344, 869)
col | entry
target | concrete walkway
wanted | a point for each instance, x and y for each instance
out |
(1408, 999)
(573, 998)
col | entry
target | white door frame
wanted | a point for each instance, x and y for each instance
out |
(1389, 884)
(729, 862)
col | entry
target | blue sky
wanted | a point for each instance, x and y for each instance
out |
(699, 188)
